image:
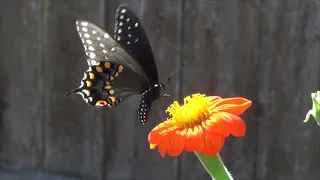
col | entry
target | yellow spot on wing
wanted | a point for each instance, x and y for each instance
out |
(91, 75)
(111, 78)
(107, 65)
(113, 99)
(87, 92)
(120, 68)
(107, 83)
(99, 69)
(107, 87)
(111, 91)
(90, 99)
(115, 75)
(88, 83)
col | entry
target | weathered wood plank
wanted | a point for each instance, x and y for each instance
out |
(219, 44)
(21, 84)
(30, 175)
(129, 156)
(73, 130)
(289, 72)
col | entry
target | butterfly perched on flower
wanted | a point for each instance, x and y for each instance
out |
(120, 66)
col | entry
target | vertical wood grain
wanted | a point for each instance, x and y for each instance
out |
(20, 84)
(289, 72)
(73, 130)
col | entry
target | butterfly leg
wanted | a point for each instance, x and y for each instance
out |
(159, 112)
(165, 95)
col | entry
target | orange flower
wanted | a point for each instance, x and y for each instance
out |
(201, 124)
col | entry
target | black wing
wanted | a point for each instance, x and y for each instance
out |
(112, 75)
(128, 31)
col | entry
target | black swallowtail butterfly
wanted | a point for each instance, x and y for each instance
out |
(118, 67)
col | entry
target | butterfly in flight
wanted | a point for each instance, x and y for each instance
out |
(120, 66)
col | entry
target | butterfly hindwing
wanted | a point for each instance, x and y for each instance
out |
(129, 33)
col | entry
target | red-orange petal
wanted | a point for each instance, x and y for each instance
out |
(177, 142)
(194, 139)
(159, 132)
(218, 123)
(213, 98)
(236, 105)
(213, 144)
(238, 126)
(164, 144)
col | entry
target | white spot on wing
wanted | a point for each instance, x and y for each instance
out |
(104, 51)
(81, 85)
(86, 35)
(89, 41)
(118, 38)
(84, 29)
(89, 69)
(119, 31)
(123, 11)
(121, 17)
(92, 55)
(93, 62)
(106, 35)
(128, 19)
(84, 76)
(94, 32)
(81, 94)
(91, 48)
(84, 23)
(102, 45)
(121, 23)
(136, 25)
(112, 49)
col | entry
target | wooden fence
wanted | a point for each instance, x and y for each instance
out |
(264, 50)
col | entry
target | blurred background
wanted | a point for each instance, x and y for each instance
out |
(265, 50)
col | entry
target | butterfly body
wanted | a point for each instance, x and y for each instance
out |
(118, 67)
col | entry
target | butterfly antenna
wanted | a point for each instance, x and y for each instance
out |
(168, 77)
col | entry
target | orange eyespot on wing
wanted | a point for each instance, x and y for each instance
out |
(101, 103)
(99, 69)
(107, 65)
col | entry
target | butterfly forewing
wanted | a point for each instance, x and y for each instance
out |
(100, 46)
(112, 75)
(129, 33)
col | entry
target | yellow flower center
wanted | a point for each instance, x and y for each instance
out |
(193, 112)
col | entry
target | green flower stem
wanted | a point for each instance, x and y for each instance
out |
(214, 166)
